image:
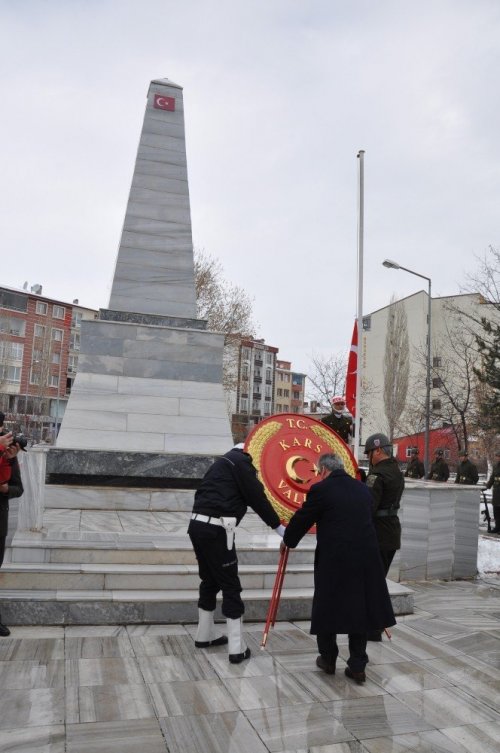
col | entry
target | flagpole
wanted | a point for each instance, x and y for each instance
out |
(359, 311)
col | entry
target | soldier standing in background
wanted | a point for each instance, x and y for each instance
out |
(466, 470)
(415, 467)
(494, 481)
(340, 422)
(386, 483)
(439, 469)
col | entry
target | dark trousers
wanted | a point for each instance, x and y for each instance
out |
(496, 516)
(387, 557)
(4, 527)
(327, 646)
(218, 569)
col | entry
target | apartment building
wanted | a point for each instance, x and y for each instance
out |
(289, 389)
(39, 344)
(452, 321)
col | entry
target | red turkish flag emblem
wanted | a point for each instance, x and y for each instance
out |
(164, 103)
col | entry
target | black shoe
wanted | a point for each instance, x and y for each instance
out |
(375, 636)
(358, 677)
(4, 630)
(322, 663)
(238, 658)
(216, 642)
(495, 530)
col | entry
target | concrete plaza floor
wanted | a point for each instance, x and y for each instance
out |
(434, 687)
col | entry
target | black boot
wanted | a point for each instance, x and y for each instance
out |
(4, 630)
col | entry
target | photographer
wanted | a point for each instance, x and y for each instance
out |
(10, 486)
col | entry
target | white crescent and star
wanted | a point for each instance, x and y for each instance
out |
(292, 473)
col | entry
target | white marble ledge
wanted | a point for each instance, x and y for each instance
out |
(82, 595)
(15, 595)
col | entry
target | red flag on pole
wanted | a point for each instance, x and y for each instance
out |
(352, 368)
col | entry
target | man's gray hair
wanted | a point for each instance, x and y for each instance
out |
(331, 462)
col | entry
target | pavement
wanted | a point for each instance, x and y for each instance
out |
(434, 687)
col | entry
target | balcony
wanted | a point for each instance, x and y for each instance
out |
(257, 379)
(257, 396)
(259, 362)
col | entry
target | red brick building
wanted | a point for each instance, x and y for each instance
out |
(39, 343)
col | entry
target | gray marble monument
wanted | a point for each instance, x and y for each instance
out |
(149, 379)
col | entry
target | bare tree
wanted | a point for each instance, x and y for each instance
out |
(227, 308)
(396, 365)
(327, 377)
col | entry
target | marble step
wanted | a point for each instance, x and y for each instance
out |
(131, 551)
(118, 577)
(67, 607)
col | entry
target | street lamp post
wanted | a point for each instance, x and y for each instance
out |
(394, 265)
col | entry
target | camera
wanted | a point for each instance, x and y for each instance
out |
(20, 440)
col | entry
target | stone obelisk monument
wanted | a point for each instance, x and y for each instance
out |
(148, 391)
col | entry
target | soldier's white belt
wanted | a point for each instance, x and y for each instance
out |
(228, 523)
(207, 519)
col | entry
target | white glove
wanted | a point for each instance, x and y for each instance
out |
(280, 530)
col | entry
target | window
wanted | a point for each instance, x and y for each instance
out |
(58, 312)
(436, 405)
(76, 319)
(13, 326)
(72, 363)
(268, 390)
(14, 301)
(10, 373)
(244, 404)
(39, 330)
(53, 380)
(269, 357)
(437, 362)
(437, 382)
(279, 392)
(367, 323)
(41, 308)
(286, 393)
(245, 354)
(34, 377)
(296, 395)
(256, 388)
(278, 407)
(74, 341)
(268, 375)
(244, 371)
(11, 351)
(256, 405)
(56, 357)
(57, 335)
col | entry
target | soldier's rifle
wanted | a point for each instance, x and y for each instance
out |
(486, 512)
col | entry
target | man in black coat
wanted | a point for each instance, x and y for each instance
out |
(350, 591)
(415, 467)
(10, 487)
(228, 487)
(467, 472)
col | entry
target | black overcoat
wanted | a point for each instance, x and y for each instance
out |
(350, 591)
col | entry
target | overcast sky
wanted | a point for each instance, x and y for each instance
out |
(279, 97)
